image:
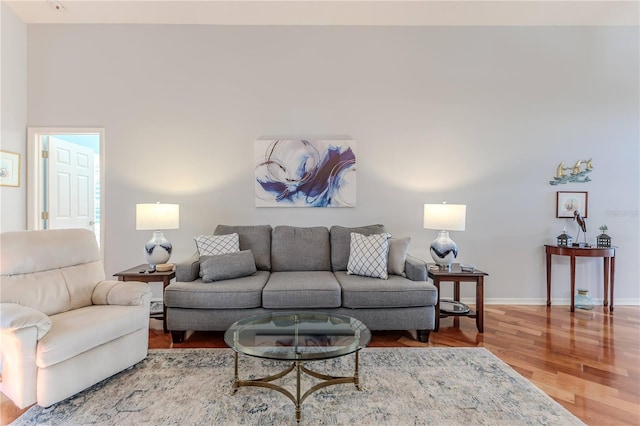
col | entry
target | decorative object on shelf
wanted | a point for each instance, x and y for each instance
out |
(583, 300)
(444, 217)
(582, 226)
(577, 174)
(157, 217)
(9, 168)
(453, 307)
(569, 201)
(164, 267)
(467, 267)
(305, 172)
(564, 239)
(603, 240)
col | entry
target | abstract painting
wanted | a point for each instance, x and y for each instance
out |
(305, 173)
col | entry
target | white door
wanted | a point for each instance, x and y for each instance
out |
(71, 185)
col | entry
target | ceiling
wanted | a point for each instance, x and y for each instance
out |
(330, 12)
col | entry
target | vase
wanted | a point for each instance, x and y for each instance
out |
(583, 300)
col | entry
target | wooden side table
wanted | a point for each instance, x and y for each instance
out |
(609, 257)
(456, 275)
(134, 274)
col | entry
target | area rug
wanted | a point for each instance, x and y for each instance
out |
(401, 386)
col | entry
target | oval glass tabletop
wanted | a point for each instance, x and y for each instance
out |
(297, 335)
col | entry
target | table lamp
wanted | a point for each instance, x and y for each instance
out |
(155, 217)
(444, 217)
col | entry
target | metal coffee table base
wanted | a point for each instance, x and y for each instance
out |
(264, 382)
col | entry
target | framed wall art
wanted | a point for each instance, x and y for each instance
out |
(9, 168)
(569, 201)
(305, 173)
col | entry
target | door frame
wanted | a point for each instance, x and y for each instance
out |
(35, 173)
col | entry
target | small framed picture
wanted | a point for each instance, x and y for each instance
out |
(568, 202)
(9, 168)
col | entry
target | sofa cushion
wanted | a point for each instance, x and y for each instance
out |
(368, 255)
(227, 266)
(398, 251)
(395, 292)
(300, 249)
(296, 290)
(77, 331)
(341, 241)
(239, 293)
(256, 238)
(211, 245)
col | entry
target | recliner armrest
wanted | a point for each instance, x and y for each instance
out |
(15, 317)
(124, 293)
(416, 269)
(189, 269)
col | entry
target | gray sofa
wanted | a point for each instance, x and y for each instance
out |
(300, 268)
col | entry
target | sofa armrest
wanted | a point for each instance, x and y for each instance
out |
(124, 293)
(416, 269)
(15, 317)
(189, 269)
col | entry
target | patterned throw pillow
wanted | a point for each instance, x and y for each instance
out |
(211, 245)
(368, 255)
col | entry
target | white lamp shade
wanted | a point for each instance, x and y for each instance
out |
(445, 217)
(155, 216)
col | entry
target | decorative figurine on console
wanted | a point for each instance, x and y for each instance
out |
(603, 240)
(564, 239)
(582, 226)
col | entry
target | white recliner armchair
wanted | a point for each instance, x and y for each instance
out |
(64, 326)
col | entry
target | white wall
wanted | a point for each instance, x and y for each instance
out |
(13, 113)
(474, 115)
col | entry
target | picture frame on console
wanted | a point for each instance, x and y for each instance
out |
(569, 201)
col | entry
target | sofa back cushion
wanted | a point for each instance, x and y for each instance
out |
(300, 249)
(256, 238)
(51, 271)
(341, 243)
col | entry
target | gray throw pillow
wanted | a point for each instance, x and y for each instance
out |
(398, 250)
(227, 266)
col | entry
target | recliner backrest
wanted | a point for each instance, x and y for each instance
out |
(51, 271)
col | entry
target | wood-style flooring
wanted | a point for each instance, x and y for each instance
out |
(588, 361)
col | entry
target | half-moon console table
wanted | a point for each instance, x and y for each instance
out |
(607, 253)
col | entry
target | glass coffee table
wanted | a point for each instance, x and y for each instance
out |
(297, 337)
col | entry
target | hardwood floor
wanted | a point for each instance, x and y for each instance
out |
(588, 361)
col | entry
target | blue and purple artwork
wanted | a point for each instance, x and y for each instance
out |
(305, 173)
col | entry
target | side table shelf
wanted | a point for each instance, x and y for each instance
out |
(456, 275)
(165, 278)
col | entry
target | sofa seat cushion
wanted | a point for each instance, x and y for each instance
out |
(395, 292)
(238, 293)
(295, 290)
(77, 331)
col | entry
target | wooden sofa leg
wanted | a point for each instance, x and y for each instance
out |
(423, 335)
(177, 336)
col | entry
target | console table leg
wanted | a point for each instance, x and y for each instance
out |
(613, 273)
(480, 304)
(573, 282)
(548, 279)
(606, 281)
